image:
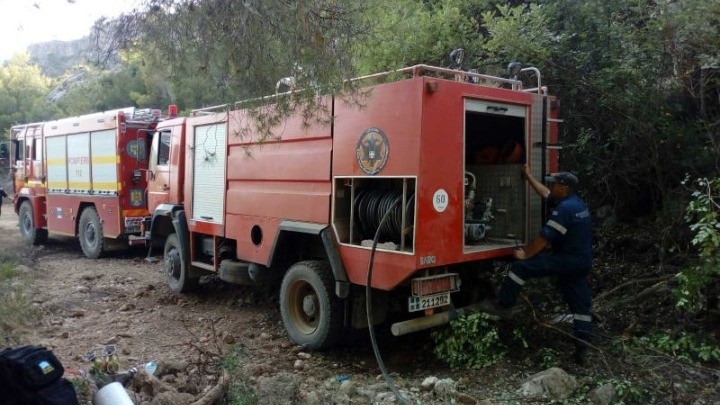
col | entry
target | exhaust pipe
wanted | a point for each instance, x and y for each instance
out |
(431, 321)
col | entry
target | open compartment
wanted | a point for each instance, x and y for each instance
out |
(361, 203)
(495, 213)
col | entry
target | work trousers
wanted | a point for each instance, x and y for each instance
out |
(572, 282)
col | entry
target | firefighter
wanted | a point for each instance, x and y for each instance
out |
(3, 194)
(562, 249)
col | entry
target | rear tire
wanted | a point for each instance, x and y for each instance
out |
(27, 225)
(91, 233)
(175, 269)
(311, 312)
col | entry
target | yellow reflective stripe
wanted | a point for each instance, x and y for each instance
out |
(557, 226)
(582, 318)
(514, 277)
(76, 185)
(96, 160)
(105, 186)
(56, 162)
(79, 185)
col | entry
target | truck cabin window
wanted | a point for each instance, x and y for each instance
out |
(164, 149)
(37, 150)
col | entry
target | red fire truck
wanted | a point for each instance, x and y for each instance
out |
(82, 176)
(427, 170)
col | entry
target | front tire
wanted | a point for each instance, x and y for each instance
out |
(175, 268)
(27, 225)
(91, 233)
(311, 312)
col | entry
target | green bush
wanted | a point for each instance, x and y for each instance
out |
(472, 341)
(702, 214)
(686, 346)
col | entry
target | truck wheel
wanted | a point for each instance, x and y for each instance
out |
(175, 270)
(311, 312)
(27, 225)
(91, 233)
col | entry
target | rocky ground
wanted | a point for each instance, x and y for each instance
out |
(122, 303)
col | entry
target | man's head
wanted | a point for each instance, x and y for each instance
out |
(561, 184)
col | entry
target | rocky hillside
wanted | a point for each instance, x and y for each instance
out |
(57, 57)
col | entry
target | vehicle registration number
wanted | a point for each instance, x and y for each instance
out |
(428, 301)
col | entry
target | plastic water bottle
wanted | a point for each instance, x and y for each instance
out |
(151, 367)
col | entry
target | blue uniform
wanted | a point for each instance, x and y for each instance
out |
(569, 231)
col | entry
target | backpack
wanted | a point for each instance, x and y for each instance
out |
(33, 375)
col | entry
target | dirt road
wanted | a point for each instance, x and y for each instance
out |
(123, 300)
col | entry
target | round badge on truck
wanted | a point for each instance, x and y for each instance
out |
(372, 150)
(440, 200)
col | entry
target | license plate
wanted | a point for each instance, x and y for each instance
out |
(425, 286)
(428, 301)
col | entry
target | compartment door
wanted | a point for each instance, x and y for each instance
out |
(209, 173)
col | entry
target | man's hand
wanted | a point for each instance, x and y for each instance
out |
(525, 173)
(519, 254)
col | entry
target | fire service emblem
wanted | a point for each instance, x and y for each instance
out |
(136, 197)
(372, 150)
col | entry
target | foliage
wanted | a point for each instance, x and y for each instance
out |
(472, 341)
(244, 48)
(15, 307)
(518, 33)
(703, 214)
(240, 391)
(409, 32)
(549, 358)
(627, 392)
(83, 390)
(685, 346)
(23, 88)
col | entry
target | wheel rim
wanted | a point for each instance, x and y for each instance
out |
(27, 224)
(172, 264)
(304, 307)
(90, 234)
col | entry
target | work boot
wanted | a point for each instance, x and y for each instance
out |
(580, 355)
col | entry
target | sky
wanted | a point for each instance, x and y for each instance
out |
(24, 22)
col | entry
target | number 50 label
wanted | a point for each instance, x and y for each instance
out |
(440, 200)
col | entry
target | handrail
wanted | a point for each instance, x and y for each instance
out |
(539, 89)
(207, 110)
(415, 71)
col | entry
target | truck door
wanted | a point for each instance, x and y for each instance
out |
(37, 173)
(159, 181)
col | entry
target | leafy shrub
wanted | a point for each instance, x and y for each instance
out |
(702, 214)
(629, 393)
(472, 341)
(686, 346)
(549, 358)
